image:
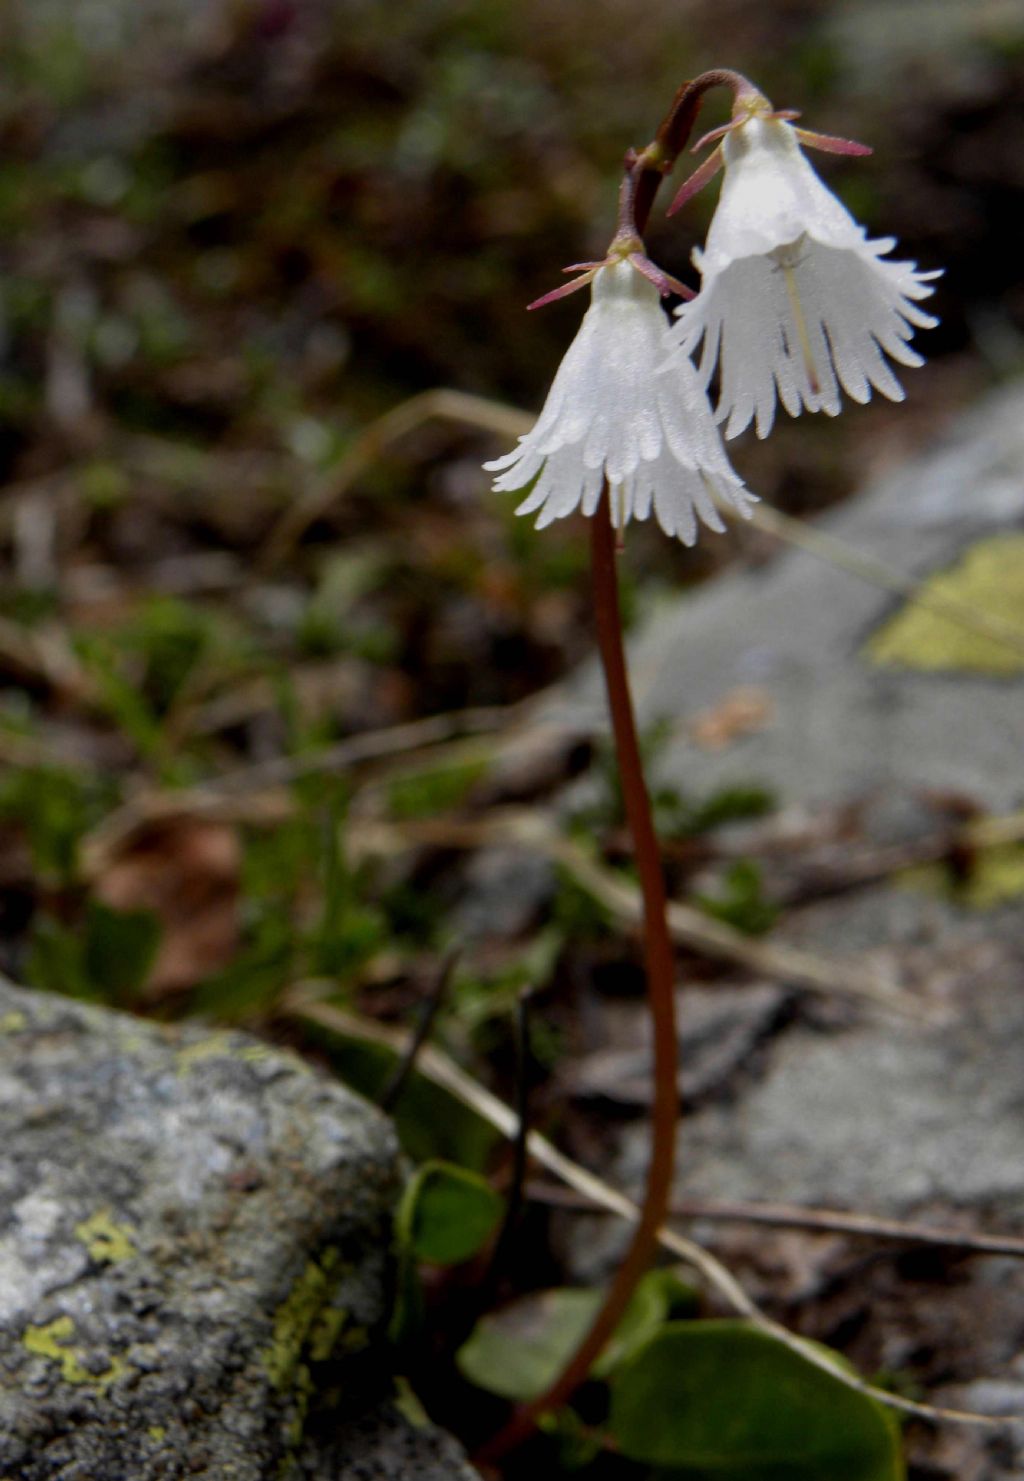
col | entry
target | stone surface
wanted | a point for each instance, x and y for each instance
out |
(381, 1445)
(796, 631)
(720, 1032)
(882, 1113)
(193, 1243)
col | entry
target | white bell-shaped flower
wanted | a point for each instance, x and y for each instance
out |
(795, 300)
(615, 412)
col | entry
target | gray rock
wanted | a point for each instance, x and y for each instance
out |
(505, 890)
(888, 1116)
(382, 1445)
(720, 1031)
(876, 1114)
(193, 1235)
(795, 630)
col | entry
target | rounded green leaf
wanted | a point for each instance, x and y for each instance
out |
(519, 1350)
(447, 1213)
(725, 1399)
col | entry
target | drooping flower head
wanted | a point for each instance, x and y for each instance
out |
(795, 300)
(615, 414)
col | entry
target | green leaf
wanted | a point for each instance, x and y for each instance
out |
(431, 1122)
(447, 1214)
(54, 806)
(723, 1399)
(577, 1444)
(659, 1295)
(518, 1351)
(119, 949)
(743, 903)
(422, 794)
(406, 1321)
(55, 960)
(107, 960)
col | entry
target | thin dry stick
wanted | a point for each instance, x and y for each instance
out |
(211, 797)
(691, 927)
(687, 925)
(813, 1220)
(47, 657)
(228, 798)
(399, 1078)
(660, 973)
(443, 404)
(879, 573)
(509, 421)
(437, 1066)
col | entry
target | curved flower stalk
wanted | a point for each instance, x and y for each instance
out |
(795, 300)
(615, 413)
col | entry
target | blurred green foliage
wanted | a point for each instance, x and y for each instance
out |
(54, 807)
(106, 958)
(305, 912)
(676, 816)
(741, 901)
(724, 1398)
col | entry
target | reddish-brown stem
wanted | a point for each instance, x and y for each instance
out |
(644, 172)
(650, 166)
(660, 995)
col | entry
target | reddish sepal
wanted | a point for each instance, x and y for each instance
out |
(563, 291)
(829, 144)
(697, 181)
(665, 283)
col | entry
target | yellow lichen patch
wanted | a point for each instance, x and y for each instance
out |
(409, 1406)
(53, 1341)
(255, 1053)
(325, 1331)
(988, 579)
(220, 1046)
(13, 1022)
(301, 1319)
(997, 875)
(157, 1432)
(105, 1240)
(217, 1046)
(302, 1390)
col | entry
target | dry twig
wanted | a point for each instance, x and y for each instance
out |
(438, 405)
(508, 422)
(220, 797)
(688, 926)
(813, 1220)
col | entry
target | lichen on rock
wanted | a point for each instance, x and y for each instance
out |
(193, 1223)
(987, 581)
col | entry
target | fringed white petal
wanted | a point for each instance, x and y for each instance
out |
(796, 304)
(615, 414)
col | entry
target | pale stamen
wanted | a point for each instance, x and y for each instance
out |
(616, 510)
(788, 259)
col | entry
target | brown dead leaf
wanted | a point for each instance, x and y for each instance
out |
(741, 712)
(187, 872)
